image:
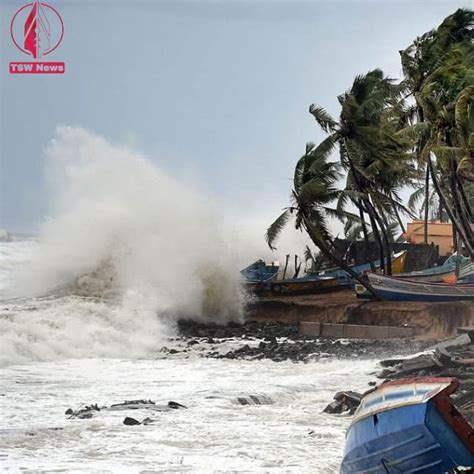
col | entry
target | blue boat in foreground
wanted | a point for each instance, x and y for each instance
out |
(409, 426)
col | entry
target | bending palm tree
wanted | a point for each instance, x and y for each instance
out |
(314, 189)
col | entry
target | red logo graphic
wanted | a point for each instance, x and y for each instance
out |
(37, 29)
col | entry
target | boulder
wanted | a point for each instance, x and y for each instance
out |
(130, 421)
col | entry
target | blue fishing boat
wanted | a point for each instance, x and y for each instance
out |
(258, 276)
(400, 289)
(438, 274)
(466, 273)
(408, 426)
(305, 285)
(260, 271)
(345, 280)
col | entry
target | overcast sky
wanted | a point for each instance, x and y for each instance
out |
(216, 91)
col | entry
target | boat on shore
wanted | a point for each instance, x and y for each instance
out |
(304, 286)
(466, 273)
(399, 289)
(260, 271)
(409, 425)
(344, 279)
(439, 274)
(262, 279)
(259, 275)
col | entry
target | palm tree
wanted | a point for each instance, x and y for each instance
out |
(314, 188)
(374, 157)
(439, 73)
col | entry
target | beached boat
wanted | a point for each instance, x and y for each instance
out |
(409, 425)
(400, 289)
(304, 285)
(262, 279)
(259, 271)
(444, 272)
(258, 276)
(344, 279)
(466, 273)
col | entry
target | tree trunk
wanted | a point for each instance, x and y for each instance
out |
(364, 231)
(449, 211)
(427, 201)
(378, 219)
(397, 215)
(462, 218)
(338, 262)
(467, 204)
(389, 251)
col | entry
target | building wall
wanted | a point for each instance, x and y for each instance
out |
(439, 233)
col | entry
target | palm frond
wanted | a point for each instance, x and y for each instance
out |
(275, 229)
(323, 118)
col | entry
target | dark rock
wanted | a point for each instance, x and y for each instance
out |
(333, 408)
(175, 405)
(295, 347)
(130, 421)
(390, 362)
(344, 401)
(68, 411)
(444, 356)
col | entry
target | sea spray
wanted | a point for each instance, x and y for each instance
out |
(126, 249)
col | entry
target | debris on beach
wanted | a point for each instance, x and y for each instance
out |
(452, 358)
(344, 402)
(90, 411)
(279, 341)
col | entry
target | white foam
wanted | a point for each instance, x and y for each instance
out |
(119, 226)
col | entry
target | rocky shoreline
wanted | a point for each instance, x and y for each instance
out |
(278, 341)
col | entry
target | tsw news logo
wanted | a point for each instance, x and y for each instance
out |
(37, 30)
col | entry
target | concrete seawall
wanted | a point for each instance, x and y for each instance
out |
(428, 320)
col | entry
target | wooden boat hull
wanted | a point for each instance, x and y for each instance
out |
(259, 271)
(304, 286)
(398, 264)
(441, 274)
(428, 277)
(398, 289)
(408, 426)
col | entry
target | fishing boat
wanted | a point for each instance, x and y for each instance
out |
(259, 275)
(409, 425)
(466, 273)
(304, 285)
(345, 280)
(400, 289)
(444, 272)
(260, 271)
(261, 279)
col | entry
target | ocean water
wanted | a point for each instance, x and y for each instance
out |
(87, 306)
(50, 365)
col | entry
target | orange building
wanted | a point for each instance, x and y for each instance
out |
(439, 233)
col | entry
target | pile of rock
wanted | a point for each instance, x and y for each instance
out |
(90, 411)
(344, 402)
(279, 342)
(249, 329)
(453, 358)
